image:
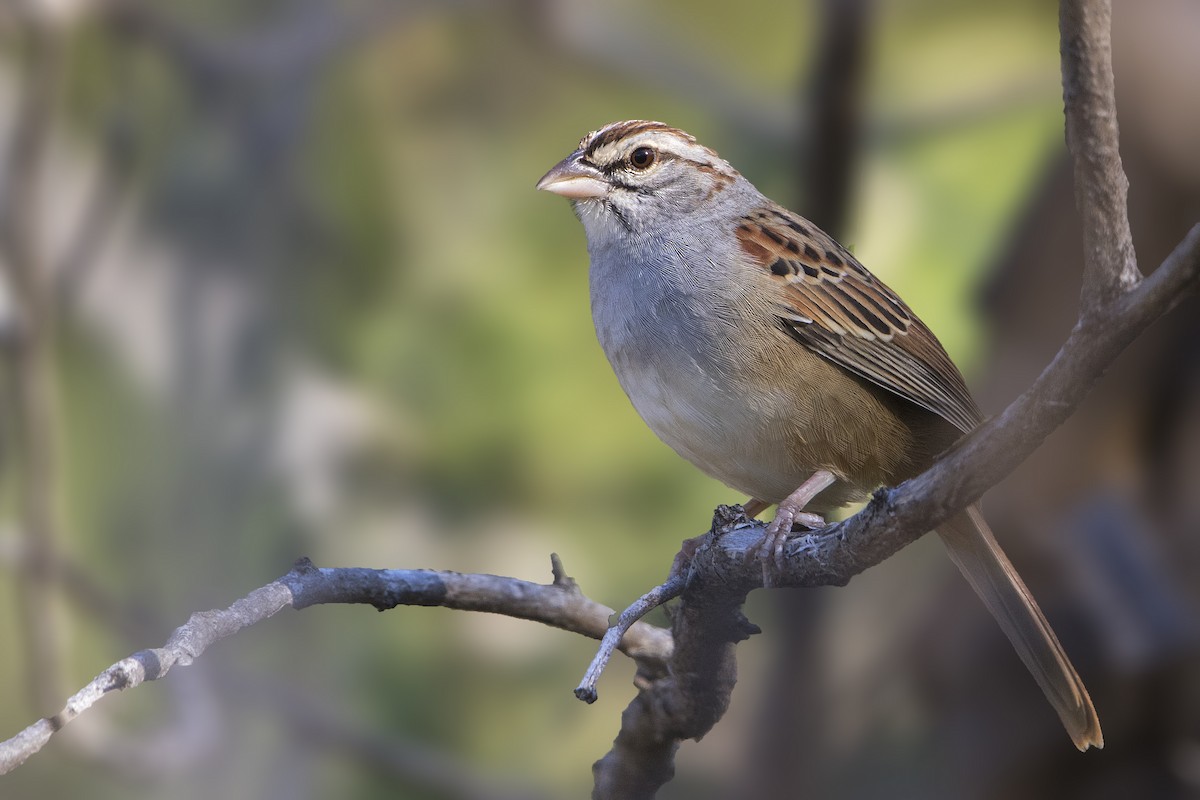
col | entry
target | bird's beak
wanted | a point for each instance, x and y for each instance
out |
(574, 179)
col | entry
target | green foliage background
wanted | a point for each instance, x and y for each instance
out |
(414, 263)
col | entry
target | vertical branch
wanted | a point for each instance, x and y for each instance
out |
(835, 108)
(1101, 188)
(30, 357)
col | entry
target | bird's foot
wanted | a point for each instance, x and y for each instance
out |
(791, 511)
(770, 548)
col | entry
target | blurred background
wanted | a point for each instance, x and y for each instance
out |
(276, 283)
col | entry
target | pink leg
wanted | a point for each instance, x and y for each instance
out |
(791, 511)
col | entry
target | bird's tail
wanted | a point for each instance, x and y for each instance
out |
(972, 547)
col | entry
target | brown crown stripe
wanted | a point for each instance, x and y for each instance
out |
(622, 130)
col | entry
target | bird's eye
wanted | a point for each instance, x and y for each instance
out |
(642, 158)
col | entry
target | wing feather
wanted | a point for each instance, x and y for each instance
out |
(831, 304)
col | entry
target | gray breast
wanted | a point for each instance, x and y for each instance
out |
(672, 340)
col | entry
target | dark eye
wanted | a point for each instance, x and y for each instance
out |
(641, 158)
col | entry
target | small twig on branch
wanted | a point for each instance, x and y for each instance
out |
(664, 592)
(559, 605)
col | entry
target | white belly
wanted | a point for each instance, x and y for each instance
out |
(732, 435)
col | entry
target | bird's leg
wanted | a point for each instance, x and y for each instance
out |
(791, 511)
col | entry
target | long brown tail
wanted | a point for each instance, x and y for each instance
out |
(972, 547)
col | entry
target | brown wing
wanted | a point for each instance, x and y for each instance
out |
(831, 304)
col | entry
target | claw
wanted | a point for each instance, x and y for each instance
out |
(769, 549)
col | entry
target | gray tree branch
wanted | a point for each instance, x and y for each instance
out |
(1101, 188)
(559, 604)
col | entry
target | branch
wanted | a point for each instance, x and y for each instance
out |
(163, 752)
(560, 604)
(667, 591)
(1101, 188)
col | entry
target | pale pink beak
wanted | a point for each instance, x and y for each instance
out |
(575, 180)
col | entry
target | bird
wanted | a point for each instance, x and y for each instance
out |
(760, 349)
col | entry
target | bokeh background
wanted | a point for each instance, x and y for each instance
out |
(276, 283)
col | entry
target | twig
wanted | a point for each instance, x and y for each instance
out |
(664, 592)
(559, 605)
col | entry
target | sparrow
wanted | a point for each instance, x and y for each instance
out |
(761, 350)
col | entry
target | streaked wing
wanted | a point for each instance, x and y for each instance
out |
(831, 304)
